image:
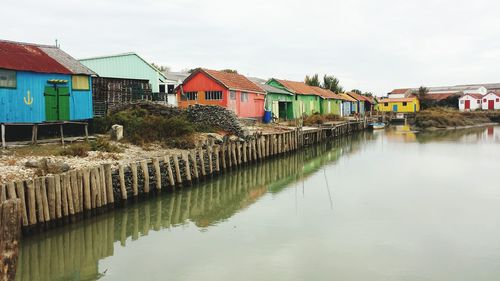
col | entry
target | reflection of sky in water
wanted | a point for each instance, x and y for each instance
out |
(425, 209)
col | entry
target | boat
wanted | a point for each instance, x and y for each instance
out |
(378, 125)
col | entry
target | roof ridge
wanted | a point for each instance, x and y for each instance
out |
(28, 43)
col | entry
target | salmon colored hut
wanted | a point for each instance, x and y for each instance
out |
(225, 89)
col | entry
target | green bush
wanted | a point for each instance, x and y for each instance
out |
(102, 144)
(76, 150)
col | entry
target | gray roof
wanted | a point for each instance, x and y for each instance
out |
(271, 89)
(176, 76)
(66, 60)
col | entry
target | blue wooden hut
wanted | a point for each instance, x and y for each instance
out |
(41, 84)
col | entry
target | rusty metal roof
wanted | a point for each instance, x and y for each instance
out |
(38, 58)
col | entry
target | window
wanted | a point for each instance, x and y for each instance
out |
(232, 95)
(405, 103)
(484, 100)
(213, 95)
(191, 95)
(244, 97)
(462, 102)
(497, 100)
(386, 104)
(80, 82)
(8, 79)
(478, 101)
(162, 88)
(170, 89)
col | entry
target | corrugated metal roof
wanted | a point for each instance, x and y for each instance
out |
(66, 60)
(28, 57)
(271, 89)
(397, 100)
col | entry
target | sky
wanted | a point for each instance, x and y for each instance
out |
(374, 46)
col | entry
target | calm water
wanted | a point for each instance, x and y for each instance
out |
(390, 205)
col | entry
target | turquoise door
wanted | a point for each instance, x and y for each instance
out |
(395, 108)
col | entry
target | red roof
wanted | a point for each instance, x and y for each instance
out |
(397, 100)
(476, 96)
(28, 57)
(327, 94)
(358, 96)
(440, 96)
(299, 88)
(399, 91)
(234, 81)
(496, 93)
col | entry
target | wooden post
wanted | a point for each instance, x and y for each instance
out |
(34, 134)
(31, 202)
(98, 192)
(3, 193)
(210, 164)
(93, 188)
(69, 194)
(3, 136)
(192, 155)
(45, 201)
(202, 161)
(57, 180)
(21, 195)
(233, 152)
(177, 169)
(223, 156)
(64, 195)
(259, 149)
(217, 158)
(102, 178)
(254, 150)
(135, 180)
(74, 191)
(245, 145)
(11, 191)
(145, 172)
(156, 165)
(39, 204)
(187, 167)
(10, 234)
(123, 188)
(86, 132)
(166, 161)
(238, 151)
(109, 184)
(51, 190)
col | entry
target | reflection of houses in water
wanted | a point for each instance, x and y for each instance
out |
(73, 252)
(400, 133)
(466, 135)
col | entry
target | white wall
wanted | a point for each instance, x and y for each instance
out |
(489, 97)
(481, 90)
(474, 104)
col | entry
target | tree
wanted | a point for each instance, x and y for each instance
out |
(331, 83)
(422, 92)
(161, 67)
(313, 80)
(368, 94)
(356, 91)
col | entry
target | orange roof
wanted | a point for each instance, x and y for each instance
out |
(299, 88)
(399, 91)
(233, 81)
(347, 97)
(398, 100)
(327, 94)
(357, 96)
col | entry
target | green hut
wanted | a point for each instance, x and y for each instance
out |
(280, 102)
(331, 103)
(307, 101)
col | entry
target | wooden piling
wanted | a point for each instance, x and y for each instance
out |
(109, 184)
(39, 204)
(123, 188)
(135, 179)
(223, 156)
(20, 189)
(217, 158)
(86, 190)
(210, 160)
(192, 156)
(10, 234)
(202, 162)
(3, 193)
(187, 167)
(168, 166)
(31, 202)
(145, 173)
(156, 165)
(245, 147)
(177, 169)
(51, 195)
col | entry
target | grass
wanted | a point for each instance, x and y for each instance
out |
(442, 117)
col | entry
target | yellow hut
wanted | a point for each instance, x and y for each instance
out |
(400, 105)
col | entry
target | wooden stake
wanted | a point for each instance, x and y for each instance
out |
(192, 156)
(51, 195)
(156, 164)
(21, 195)
(210, 164)
(39, 203)
(168, 166)
(202, 162)
(3, 136)
(135, 180)
(3, 193)
(64, 195)
(11, 190)
(31, 202)
(62, 133)
(45, 201)
(145, 172)
(86, 190)
(177, 169)
(187, 167)
(123, 188)
(102, 177)
(217, 158)
(109, 184)
(223, 156)
(57, 181)
(69, 194)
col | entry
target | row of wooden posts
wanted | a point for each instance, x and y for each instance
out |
(52, 198)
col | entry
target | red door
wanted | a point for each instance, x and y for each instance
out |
(467, 104)
(491, 104)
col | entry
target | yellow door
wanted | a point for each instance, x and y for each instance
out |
(276, 109)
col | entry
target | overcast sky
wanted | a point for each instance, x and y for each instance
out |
(370, 45)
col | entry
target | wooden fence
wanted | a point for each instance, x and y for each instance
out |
(10, 233)
(45, 200)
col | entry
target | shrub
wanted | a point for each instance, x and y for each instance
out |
(76, 150)
(317, 119)
(103, 144)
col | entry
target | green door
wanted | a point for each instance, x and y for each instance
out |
(56, 103)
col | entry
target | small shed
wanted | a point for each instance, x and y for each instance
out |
(399, 105)
(360, 102)
(470, 102)
(331, 103)
(41, 83)
(350, 105)
(226, 89)
(280, 102)
(307, 100)
(491, 101)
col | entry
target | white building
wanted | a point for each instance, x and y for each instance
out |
(470, 102)
(174, 79)
(491, 101)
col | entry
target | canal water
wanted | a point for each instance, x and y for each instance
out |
(383, 205)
